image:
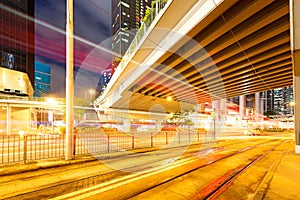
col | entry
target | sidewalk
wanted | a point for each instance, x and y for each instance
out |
(16, 168)
(285, 178)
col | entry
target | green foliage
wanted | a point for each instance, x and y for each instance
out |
(117, 59)
(189, 122)
(147, 15)
(149, 12)
(270, 112)
(62, 129)
(181, 117)
(274, 130)
(78, 112)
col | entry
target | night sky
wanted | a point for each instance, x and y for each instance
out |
(92, 27)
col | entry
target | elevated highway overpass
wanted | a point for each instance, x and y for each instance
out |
(200, 51)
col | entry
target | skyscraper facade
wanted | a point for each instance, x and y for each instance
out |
(104, 79)
(17, 47)
(274, 102)
(127, 16)
(282, 100)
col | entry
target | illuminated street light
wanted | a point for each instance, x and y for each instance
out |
(91, 94)
(51, 101)
(169, 98)
(92, 91)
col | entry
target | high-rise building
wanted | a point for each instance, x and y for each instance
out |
(16, 47)
(104, 79)
(271, 102)
(42, 82)
(282, 99)
(127, 16)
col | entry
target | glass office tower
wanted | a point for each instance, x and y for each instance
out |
(16, 47)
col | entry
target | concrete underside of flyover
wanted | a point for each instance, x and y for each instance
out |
(237, 48)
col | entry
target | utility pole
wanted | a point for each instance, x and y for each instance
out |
(69, 80)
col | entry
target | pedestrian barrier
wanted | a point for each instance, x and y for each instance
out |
(26, 148)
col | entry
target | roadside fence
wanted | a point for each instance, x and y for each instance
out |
(25, 148)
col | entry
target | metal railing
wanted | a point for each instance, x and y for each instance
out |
(18, 148)
(26, 148)
(149, 18)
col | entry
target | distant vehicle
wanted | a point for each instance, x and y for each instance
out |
(89, 124)
(95, 123)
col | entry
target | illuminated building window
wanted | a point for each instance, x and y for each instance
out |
(125, 4)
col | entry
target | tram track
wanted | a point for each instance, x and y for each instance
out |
(264, 169)
(221, 184)
(156, 177)
(87, 179)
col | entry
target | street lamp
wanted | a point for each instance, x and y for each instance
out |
(91, 93)
(51, 101)
(89, 96)
(169, 98)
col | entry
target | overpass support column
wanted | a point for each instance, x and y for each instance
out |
(242, 106)
(224, 108)
(261, 100)
(126, 124)
(295, 46)
(257, 106)
(8, 119)
(158, 125)
(216, 105)
(200, 108)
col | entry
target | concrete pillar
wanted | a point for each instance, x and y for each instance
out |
(295, 46)
(126, 125)
(216, 105)
(257, 106)
(200, 108)
(223, 107)
(266, 101)
(8, 119)
(261, 105)
(242, 106)
(158, 125)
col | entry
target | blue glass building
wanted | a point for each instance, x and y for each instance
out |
(42, 77)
